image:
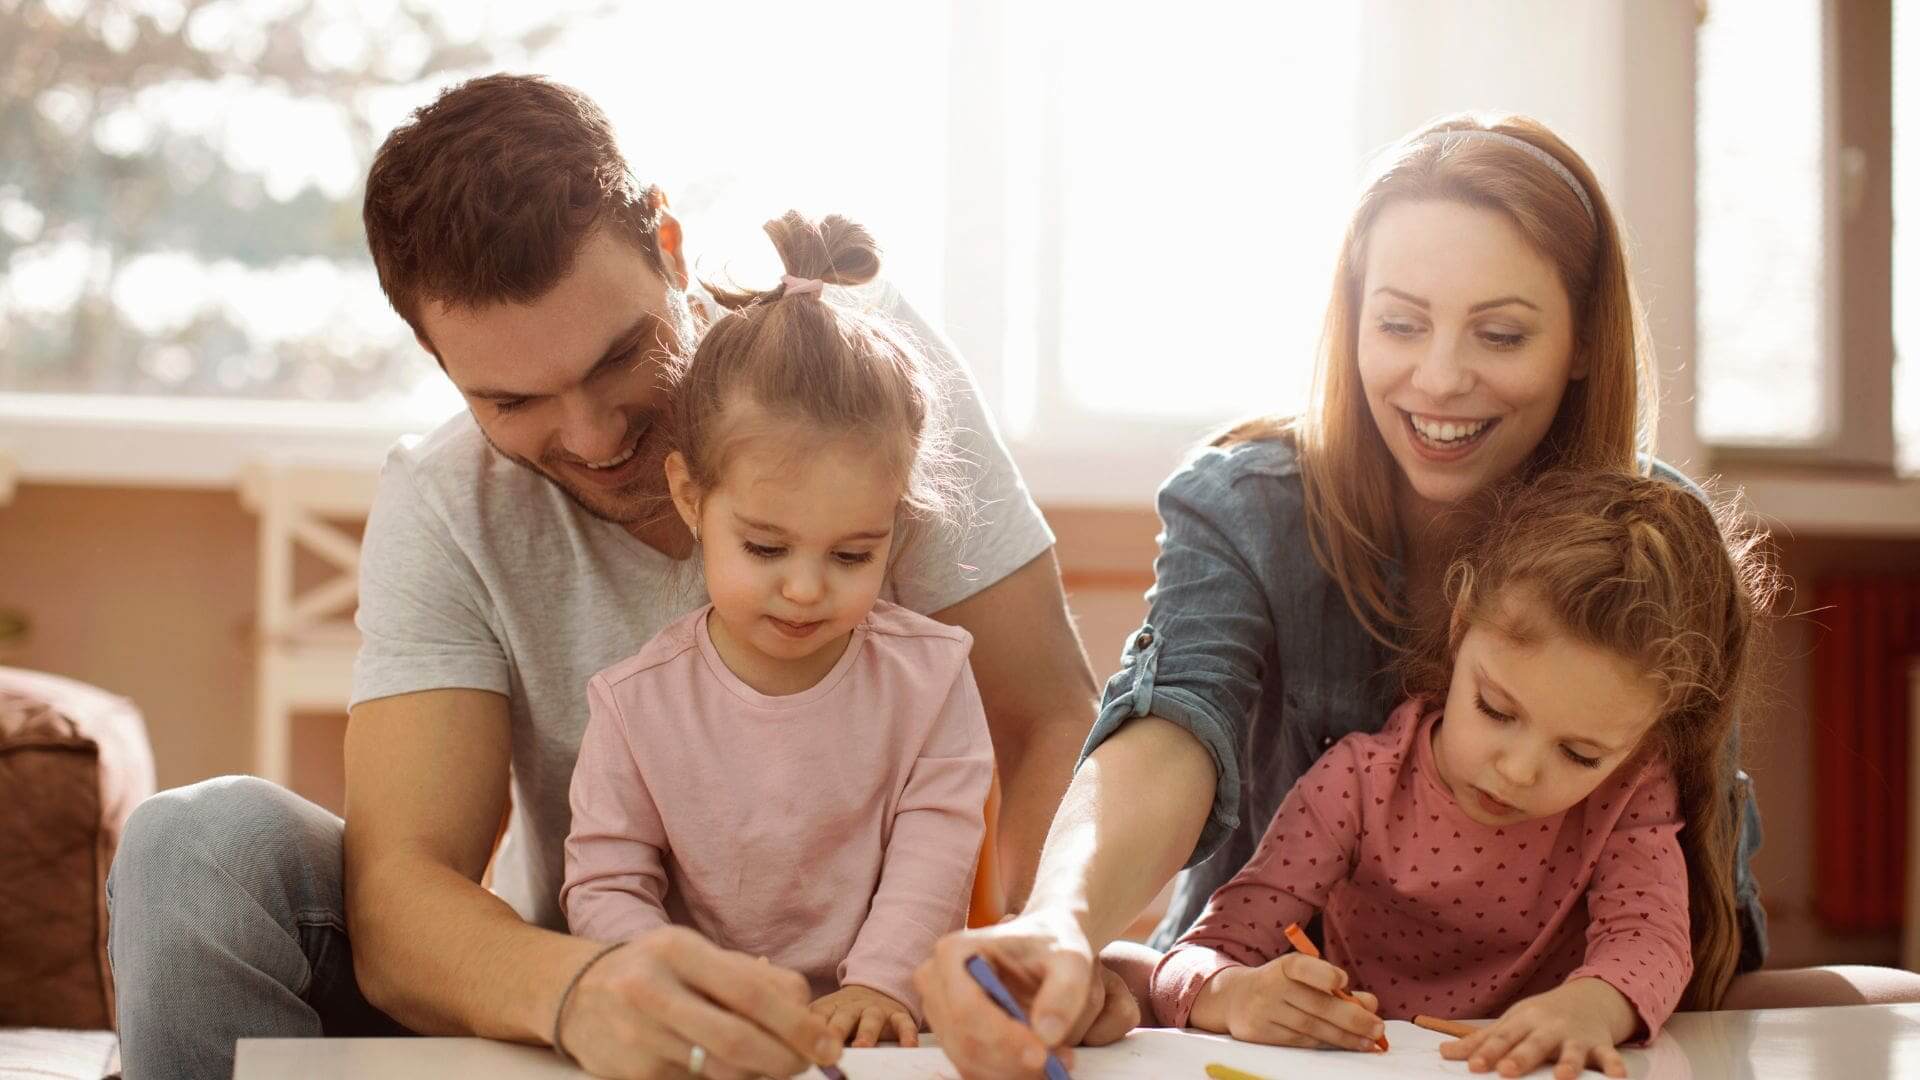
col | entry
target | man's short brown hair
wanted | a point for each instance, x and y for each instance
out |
(487, 194)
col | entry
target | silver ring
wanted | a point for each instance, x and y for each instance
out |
(696, 1059)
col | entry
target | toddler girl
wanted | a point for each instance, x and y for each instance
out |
(799, 769)
(1543, 831)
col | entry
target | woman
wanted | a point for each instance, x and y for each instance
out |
(1482, 325)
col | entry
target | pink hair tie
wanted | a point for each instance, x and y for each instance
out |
(800, 286)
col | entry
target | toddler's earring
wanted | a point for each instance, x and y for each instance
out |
(695, 529)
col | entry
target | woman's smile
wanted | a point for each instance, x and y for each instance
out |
(1442, 440)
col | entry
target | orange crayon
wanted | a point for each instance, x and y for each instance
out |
(1460, 1031)
(1304, 945)
(1445, 1027)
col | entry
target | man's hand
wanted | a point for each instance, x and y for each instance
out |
(1047, 965)
(639, 1013)
(866, 1015)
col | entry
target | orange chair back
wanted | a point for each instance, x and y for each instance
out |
(989, 903)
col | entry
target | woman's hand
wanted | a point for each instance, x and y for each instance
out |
(1288, 1001)
(866, 1015)
(1048, 966)
(1577, 1024)
(641, 1012)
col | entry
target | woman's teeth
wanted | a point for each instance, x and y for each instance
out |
(1445, 432)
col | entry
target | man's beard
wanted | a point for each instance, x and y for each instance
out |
(644, 499)
(640, 501)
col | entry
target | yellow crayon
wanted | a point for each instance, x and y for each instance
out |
(1228, 1072)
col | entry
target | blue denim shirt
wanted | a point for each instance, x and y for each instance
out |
(1249, 645)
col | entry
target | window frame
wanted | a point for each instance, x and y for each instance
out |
(182, 442)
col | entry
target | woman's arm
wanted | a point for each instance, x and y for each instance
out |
(1129, 821)
(1160, 785)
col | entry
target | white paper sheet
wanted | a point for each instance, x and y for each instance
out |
(1160, 1054)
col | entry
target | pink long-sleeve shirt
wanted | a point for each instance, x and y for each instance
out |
(1436, 913)
(834, 831)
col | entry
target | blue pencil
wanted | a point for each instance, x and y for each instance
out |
(983, 974)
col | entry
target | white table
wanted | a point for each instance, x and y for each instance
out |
(1852, 1042)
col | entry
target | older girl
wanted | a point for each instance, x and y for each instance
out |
(1541, 832)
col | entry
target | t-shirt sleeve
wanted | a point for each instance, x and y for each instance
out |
(1638, 933)
(1308, 848)
(944, 566)
(424, 615)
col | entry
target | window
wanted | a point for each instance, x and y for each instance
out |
(1143, 221)
(180, 184)
(1762, 226)
(741, 112)
(1086, 198)
(1211, 173)
(181, 221)
(1181, 186)
(179, 191)
(1800, 355)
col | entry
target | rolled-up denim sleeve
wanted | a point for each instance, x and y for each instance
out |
(1752, 912)
(1199, 658)
(1746, 888)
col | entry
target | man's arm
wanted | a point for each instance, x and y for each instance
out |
(1040, 699)
(426, 787)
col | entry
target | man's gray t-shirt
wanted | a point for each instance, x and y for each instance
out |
(478, 573)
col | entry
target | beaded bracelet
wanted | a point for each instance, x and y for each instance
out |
(560, 1013)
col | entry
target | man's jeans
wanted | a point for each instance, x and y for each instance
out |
(227, 922)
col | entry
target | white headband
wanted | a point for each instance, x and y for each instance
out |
(1524, 147)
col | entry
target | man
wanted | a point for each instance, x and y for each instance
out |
(509, 555)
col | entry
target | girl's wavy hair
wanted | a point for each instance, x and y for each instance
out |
(828, 363)
(1649, 570)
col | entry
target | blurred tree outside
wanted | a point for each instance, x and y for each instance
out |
(180, 186)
